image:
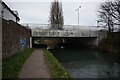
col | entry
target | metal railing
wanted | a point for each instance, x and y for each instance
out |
(66, 27)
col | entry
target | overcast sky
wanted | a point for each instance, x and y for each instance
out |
(37, 11)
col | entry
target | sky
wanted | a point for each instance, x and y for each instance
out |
(37, 11)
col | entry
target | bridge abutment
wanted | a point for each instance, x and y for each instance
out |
(31, 42)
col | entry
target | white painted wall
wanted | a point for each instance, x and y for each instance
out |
(30, 42)
(7, 15)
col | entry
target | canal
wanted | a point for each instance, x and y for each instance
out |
(86, 63)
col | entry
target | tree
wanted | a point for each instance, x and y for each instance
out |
(109, 14)
(56, 15)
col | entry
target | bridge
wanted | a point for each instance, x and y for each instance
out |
(69, 31)
(84, 35)
(63, 33)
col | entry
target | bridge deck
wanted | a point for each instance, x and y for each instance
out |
(63, 33)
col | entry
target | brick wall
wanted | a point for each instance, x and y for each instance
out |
(14, 38)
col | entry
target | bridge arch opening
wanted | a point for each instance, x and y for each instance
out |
(63, 42)
(38, 43)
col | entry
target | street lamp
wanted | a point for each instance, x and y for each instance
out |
(78, 14)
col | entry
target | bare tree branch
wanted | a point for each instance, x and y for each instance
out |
(109, 13)
(56, 15)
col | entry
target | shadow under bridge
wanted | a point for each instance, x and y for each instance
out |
(64, 42)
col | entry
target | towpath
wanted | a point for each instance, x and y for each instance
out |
(35, 66)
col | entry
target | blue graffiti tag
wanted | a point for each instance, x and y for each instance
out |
(23, 42)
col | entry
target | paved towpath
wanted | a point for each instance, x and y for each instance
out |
(35, 66)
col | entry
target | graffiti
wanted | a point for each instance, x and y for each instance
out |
(23, 42)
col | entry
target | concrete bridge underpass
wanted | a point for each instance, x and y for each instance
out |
(47, 37)
(65, 38)
(64, 42)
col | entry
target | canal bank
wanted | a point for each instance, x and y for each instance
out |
(110, 43)
(55, 67)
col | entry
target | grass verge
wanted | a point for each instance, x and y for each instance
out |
(56, 69)
(12, 65)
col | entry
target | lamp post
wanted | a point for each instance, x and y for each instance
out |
(78, 14)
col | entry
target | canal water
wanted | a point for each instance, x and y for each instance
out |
(86, 63)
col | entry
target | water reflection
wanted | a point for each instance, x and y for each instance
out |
(88, 64)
